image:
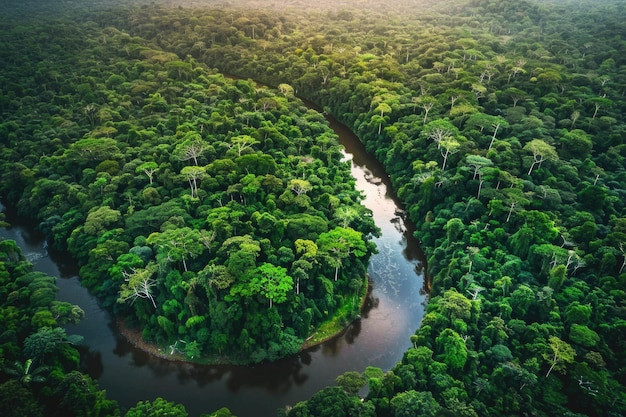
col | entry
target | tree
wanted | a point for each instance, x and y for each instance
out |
(180, 68)
(439, 130)
(382, 108)
(346, 214)
(583, 336)
(413, 403)
(505, 283)
(455, 305)
(177, 244)
(351, 382)
(66, 313)
(558, 355)
(522, 299)
(453, 348)
(194, 174)
(307, 249)
(515, 94)
(157, 408)
(599, 102)
(27, 372)
(80, 396)
(101, 219)
(340, 243)
(46, 341)
(299, 187)
(139, 284)
(497, 124)
(272, 282)
(241, 143)
(447, 147)
(148, 168)
(242, 252)
(90, 151)
(541, 152)
(191, 148)
(222, 412)
(216, 276)
(426, 103)
(16, 400)
(333, 402)
(479, 163)
(514, 197)
(576, 144)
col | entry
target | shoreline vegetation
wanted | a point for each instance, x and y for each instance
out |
(500, 123)
(326, 332)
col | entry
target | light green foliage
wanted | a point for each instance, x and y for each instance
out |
(177, 245)
(541, 151)
(539, 96)
(307, 249)
(102, 219)
(559, 355)
(66, 313)
(139, 284)
(272, 282)
(453, 349)
(222, 412)
(157, 408)
(454, 306)
(351, 382)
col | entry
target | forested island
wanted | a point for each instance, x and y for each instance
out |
(164, 146)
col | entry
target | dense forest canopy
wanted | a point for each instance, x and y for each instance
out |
(215, 209)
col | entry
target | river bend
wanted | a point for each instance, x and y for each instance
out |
(392, 312)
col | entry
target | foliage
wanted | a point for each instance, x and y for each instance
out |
(500, 123)
(157, 408)
(38, 360)
(140, 129)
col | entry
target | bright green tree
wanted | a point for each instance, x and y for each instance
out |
(338, 244)
(157, 408)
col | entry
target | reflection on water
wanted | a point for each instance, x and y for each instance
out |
(391, 313)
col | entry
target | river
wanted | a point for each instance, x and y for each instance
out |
(392, 312)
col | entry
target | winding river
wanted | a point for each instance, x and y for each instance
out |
(392, 312)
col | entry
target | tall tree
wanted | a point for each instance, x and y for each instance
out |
(272, 282)
(194, 174)
(558, 355)
(139, 284)
(338, 244)
(541, 152)
(148, 168)
(177, 245)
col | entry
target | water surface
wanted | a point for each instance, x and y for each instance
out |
(392, 313)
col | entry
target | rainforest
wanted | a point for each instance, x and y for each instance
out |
(166, 148)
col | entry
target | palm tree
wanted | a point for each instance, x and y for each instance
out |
(27, 373)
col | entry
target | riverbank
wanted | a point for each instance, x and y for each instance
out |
(135, 371)
(327, 331)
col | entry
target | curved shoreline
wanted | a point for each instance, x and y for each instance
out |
(134, 337)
